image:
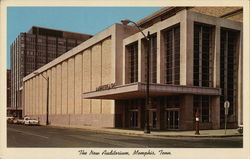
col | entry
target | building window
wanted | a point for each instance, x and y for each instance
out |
(202, 55)
(152, 58)
(134, 113)
(132, 54)
(201, 104)
(228, 69)
(172, 55)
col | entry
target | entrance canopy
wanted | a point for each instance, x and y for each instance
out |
(138, 90)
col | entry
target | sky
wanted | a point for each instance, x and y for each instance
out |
(88, 20)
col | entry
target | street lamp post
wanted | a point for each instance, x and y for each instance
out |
(47, 99)
(146, 126)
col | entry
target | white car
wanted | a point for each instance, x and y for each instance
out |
(30, 121)
(20, 121)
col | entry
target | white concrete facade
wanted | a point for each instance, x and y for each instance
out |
(186, 20)
(81, 69)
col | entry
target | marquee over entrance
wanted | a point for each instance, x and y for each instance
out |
(137, 90)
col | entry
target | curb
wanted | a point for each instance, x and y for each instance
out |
(147, 135)
(158, 135)
(202, 136)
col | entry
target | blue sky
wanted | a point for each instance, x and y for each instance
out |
(88, 20)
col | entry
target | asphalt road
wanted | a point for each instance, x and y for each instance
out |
(42, 136)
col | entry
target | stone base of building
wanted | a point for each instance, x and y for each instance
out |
(111, 121)
(73, 120)
(230, 125)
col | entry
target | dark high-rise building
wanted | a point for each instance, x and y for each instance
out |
(8, 88)
(11, 111)
(35, 48)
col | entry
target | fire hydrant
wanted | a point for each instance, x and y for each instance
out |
(197, 123)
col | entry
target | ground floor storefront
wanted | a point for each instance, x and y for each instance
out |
(174, 112)
(172, 107)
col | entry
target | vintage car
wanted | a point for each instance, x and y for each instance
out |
(15, 120)
(30, 121)
(10, 119)
(20, 121)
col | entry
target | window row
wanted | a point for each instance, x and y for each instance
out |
(228, 67)
(203, 66)
(202, 62)
(171, 55)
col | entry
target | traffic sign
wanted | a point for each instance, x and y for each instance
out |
(226, 104)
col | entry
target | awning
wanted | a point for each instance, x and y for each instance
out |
(138, 90)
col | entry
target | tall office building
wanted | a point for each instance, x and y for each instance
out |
(11, 111)
(34, 49)
(8, 88)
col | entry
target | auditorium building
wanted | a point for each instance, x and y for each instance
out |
(195, 66)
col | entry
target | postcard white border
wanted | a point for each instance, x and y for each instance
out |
(72, 153)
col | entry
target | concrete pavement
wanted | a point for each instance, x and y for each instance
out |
(50, 136)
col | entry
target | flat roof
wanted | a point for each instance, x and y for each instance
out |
(138, 90)
(59, 30)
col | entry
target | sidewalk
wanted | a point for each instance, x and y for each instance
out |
(203, 133)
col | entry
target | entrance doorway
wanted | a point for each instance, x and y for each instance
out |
(133, 114)
(153, 119)
(172, 119)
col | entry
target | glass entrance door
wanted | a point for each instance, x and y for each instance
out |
(172, 119)
(133, 119)
(153, 119)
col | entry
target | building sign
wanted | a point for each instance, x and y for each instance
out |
(105, 87)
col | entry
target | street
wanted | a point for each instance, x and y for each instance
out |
(42, 136)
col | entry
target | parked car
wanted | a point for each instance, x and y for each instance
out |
(20, 121)
(30, 121)
(240, 129)
(15, 120)
(10, 119)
